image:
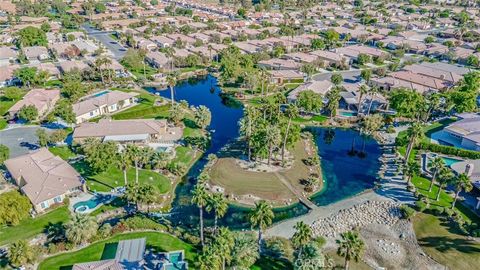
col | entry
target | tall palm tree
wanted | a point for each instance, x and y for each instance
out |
(217, 203)
(363, 91)
(302, 235)
(272, 138)
(261, 217)
(134, 152)
(435, 165)
(209, 259)
(373, 92)
(445, 176)
(462, 183)
(410, 170)
(200, 198)
(225, 242)
(124, 160)
(171, 81)
(333, 97)
(350, 246)
(291, 112)
(414, 132)
(247, 125)
(81, 228)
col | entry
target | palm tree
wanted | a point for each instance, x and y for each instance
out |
(246, 127)
(435, 165)
(302, 235)
(125, 160)
(261, 217)
(291, 112)
(200, 198)
(333, 97)
(172, 81)
(462, 183)
(209, 259)
(363, 91)
(81, 228)
(134, 152)
(272, 138)
(373, 92)
(20, 253)
(224, 242)
(217, 203)
(410, 170)
(414, 132)
(350, 246)
(445, 176)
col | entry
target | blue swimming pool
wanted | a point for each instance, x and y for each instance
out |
(99, 94)
(450, 161)
(91, 203)
(348, 114)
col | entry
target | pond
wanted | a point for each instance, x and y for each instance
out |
(345, 174)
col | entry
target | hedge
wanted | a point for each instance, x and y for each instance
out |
(448, 150)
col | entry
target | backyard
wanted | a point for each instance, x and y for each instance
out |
(444, 244)
(106, 250)
(30, 227)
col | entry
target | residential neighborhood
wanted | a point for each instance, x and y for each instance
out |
(212, 134)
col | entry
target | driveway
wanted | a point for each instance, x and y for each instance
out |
(104, 37)
(20, 140)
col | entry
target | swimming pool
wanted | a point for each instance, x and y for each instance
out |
(99, 94)
(348, 114)
(450, 161)
(92, 203)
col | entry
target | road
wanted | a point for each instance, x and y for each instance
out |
(117, 49)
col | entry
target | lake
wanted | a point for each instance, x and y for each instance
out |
(346, 173)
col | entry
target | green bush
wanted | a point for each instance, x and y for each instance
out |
(449, 150)
(142, 223)
(407, 211)
(421, 206)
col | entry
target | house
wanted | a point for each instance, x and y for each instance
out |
(44, 178)
(319, 87)
(157, 59)
(7, 55)
(43, 100)
(162, 41)
(67, 66)
(7, 77)
(132, 254)
(105, 102)
(331, 58)
(285, 76)
(142, 131)
(35, 54)
(279, 64)
(464, 133)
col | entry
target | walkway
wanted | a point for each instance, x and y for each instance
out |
(285, 228)
(304, 200)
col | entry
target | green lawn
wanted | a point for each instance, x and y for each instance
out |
(313, 120)
(106, 250)
(430, 129)
(183, 155)
(422, 185)
(113, 177)
(5, 104)
(440, 241)
(145, 109)
(3, 123)
(269, 263)
(62, 151)
(32, 226)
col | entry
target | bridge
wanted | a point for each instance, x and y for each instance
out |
(303, 199)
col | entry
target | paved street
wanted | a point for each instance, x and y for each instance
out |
(19, 140)
(117, 50)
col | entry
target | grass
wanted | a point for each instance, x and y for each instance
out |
(62, 151)
(316, 119)
(145, 109)
(270, 263)
(444, 244)
(32, 226)
(3, 123)
(113, 177)
(445, 200)
(183, 155)
(116, 203)
(429, 130)
(5, 104)
(104, 250)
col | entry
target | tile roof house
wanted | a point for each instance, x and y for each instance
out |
(279, 64)
(67, 66)
(105, 102)
(44, 178)
(7, 55)
(43, 100)
(7, 77)
(157, 59)
(465, 133)
(319, 87)
(36, 53)
(134, 131)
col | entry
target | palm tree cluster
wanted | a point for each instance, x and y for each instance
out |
(140, 194)
(268, 130)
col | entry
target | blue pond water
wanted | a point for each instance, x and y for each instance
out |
(345, 175)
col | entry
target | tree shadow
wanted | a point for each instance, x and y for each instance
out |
(109, 251)
(189, 123)
(443, 244)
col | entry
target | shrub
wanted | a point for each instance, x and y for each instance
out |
(449, 150)
(142, 223)
(407, 212)
(421, 206)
